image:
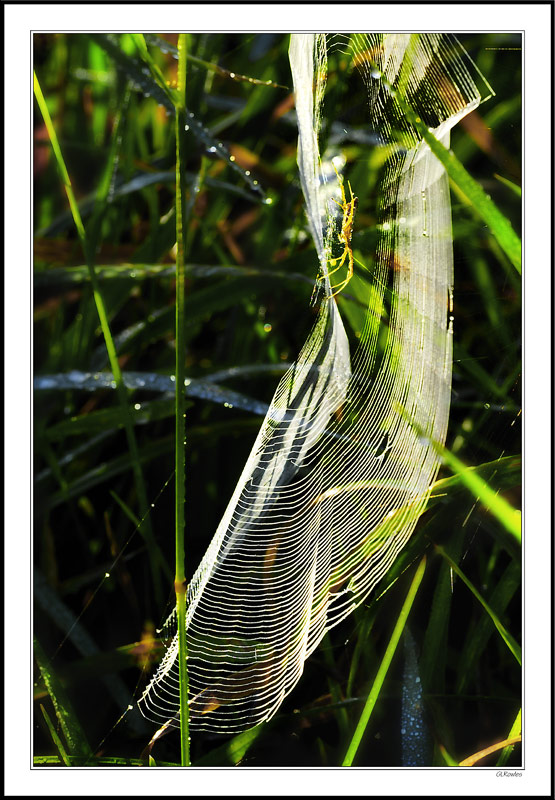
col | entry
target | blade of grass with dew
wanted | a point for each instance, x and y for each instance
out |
(111, 418)
(157, 563)
(73, 732)
(384, 666)
(55, 738)
(180, 587)
(164, 96)
(509, 640)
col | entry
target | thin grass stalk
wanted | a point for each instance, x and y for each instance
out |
(180, 587)
(108, 339)
(509, 640)
(384, 666)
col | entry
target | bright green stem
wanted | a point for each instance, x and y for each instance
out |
(509, 517)
(384, 666)
(180, 122)
(108, 339)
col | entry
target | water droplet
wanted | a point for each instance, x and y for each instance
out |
(487, 406)
(212, 149)
(187, 381)
(268, 201)
(231, 74)
(267, 327)
(106, 574)
(137, 406)
(247, 172)
(172, 378)
(187, 127)
(232, 158)
(113, 384)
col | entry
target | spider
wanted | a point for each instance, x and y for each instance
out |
(349, 209)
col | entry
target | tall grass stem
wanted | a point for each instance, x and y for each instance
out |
(180, 587)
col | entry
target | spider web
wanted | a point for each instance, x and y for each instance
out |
(342, 465)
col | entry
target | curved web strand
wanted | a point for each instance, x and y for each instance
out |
(344, 461)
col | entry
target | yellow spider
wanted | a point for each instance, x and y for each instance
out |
(349, 209)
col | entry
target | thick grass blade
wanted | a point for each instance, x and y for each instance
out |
(384, 666)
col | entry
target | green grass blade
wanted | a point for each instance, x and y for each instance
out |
(433, 660)
(73, 733)
(503, 632)
(509, 517)
(55, 738)
(180, 588)
(478, 638)
(516, 730)
(384, 666)
(481, 202)
(232, 752)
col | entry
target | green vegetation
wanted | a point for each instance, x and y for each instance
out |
(109, 195)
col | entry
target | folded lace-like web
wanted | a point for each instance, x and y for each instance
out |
(343, 463)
